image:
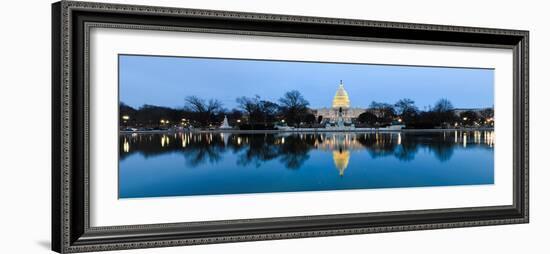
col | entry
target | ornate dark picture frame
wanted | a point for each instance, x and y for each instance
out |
(71, 22)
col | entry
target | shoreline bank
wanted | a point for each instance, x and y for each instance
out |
(303, 130)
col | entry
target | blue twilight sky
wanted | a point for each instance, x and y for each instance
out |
(166, 81)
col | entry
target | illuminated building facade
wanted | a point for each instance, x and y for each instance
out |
(341, 113)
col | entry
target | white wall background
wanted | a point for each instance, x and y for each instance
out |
(25, 127)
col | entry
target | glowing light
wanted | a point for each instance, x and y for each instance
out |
(490, 138)
(126, 118)
(477, 136)
(456, 136)
(183, 140)
(126, 146)
(399, 138)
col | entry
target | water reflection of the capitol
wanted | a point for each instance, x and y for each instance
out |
(295, 146)
(341, 144)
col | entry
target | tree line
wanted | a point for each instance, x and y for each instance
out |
(442, 114)
(292, 109)
(252, 112)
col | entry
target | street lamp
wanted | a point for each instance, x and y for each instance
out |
(125, 118)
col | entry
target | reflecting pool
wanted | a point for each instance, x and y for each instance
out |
(207, 163)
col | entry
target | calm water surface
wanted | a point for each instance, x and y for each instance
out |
(180, 164)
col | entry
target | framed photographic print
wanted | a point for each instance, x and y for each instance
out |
(181, 126)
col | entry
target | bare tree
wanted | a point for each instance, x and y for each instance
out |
(443, 105)
(258, 110)
(384, 111)
(404, 106)
(205, 110)
(293, 106)
(250, 105)
(443, 112)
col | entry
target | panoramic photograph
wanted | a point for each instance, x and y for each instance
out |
(216, 126)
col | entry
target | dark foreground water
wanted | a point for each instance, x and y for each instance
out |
(156, 165)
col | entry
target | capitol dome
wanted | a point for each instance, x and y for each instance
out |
(341, 98)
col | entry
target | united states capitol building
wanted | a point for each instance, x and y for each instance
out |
(341, 113)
